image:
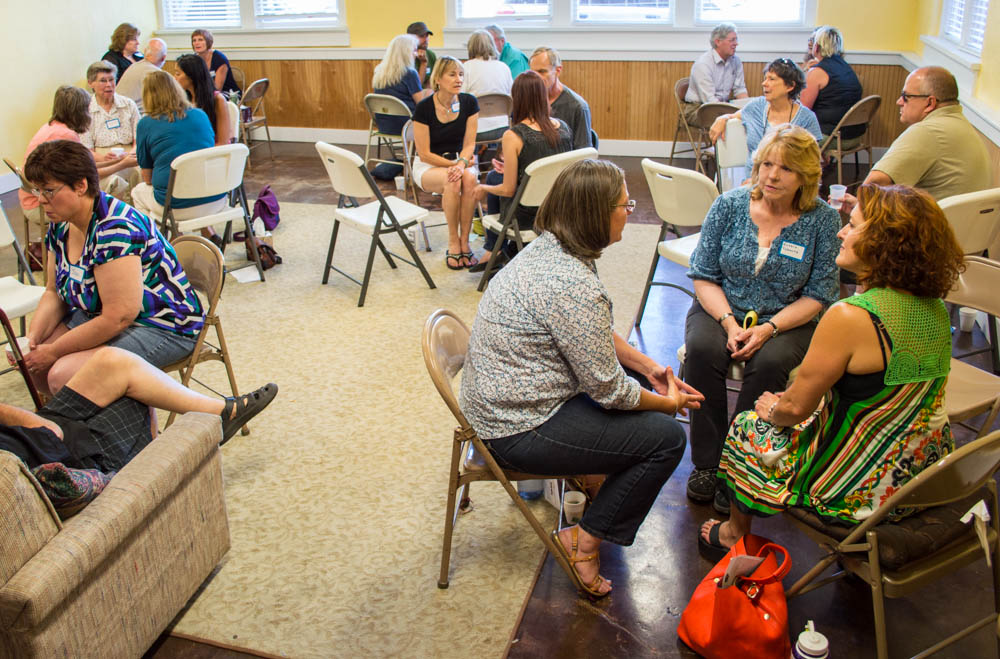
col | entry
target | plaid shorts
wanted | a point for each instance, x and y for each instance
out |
(109, 436)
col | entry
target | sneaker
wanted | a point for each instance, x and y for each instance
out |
(701, 485)
(721, 501)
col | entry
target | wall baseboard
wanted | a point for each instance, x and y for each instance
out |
(634, 148)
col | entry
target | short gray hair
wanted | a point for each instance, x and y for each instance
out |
(721, 31)
(551, 53)
(496, 31)
(828, 41)
(481, 46)
(99, 67)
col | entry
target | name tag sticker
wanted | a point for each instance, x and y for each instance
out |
(792, 250)
(456, 106)
(112, 123)
(76, 273)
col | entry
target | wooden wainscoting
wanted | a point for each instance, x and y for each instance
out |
(628, 100)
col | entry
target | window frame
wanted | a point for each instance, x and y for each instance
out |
(962, 43)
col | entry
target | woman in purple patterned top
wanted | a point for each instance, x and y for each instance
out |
(112, 277)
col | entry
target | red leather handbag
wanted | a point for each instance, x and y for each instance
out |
(749, 618)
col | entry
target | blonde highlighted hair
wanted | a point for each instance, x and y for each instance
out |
(443, 65)
(397, 59)
(163, 97)
(799, 152)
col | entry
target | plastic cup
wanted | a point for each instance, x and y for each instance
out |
(117, 151)
(22, 343)
(837, 193)
(967, 318)
(400, 181)
(573, 505)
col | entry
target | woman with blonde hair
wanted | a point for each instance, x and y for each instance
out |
(766, 252)
(124, 49)
(395, 76)
(171, 128)
(866, 411)
(444, 131)
(832, 87)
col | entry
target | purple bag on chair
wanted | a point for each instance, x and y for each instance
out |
(266, 208)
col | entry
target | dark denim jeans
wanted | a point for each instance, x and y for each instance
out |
(637, 450)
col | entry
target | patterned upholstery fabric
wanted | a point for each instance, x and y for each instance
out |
(116, 574)
(912, 538)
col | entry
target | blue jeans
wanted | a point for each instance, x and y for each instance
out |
(637, 450)
(157, 346)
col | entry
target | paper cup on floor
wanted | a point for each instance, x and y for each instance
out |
(399, 182)
(967, 318)
(573, 505)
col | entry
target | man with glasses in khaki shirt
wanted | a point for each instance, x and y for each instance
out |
(940, 151)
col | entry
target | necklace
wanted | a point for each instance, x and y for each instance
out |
(455, 105)
(767, 115)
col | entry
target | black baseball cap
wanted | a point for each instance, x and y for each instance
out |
(419, 28)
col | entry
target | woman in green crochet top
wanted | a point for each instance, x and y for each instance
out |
(866, 411)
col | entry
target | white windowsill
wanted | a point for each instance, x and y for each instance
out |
(283, 43)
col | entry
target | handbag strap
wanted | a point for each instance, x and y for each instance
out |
(780, 572)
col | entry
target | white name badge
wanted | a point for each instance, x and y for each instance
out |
(112, 123)
(76, 273)
(456, 106)
(792, 250)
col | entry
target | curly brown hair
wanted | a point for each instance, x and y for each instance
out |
(907, 243)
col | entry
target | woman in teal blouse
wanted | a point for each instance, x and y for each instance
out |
(768, 249)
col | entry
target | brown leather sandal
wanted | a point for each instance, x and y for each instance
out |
(593, 588)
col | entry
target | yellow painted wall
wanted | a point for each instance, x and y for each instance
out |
(71, 35)
(988, 88)
(374, 22)
(872, 24)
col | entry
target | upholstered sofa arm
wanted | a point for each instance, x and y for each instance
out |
(98, 531)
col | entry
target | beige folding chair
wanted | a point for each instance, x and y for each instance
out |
(897, 558)
(240, 78)
(390, 106)
(206, 173)
(493, 105)
(532, 189)
(975, 219)
(696, 133)
(971, 391)
(835, 145)
(682, 198)
(445, 342)
(254, 99)
(17, 298)
(203, 264)
(385, 215)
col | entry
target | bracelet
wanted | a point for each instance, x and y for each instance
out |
(723, 317)
(461, 159)
(770, 412)
(775, 331)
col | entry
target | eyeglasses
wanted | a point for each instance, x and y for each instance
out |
(628, 205)
(906, 97)
(48, 194)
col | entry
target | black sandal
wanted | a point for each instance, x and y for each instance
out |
(457, 258)
(247, 407)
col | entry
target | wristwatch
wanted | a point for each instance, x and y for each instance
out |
(723, 317)
(774, 332)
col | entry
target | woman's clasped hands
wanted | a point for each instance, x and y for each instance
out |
(685, 397)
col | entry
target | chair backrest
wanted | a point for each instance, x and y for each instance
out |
(731, 151)
(234, 120)
(975, 219)
(495, 105)
(709, 112)
(680, 91)
(207, 172)
(6, 232)
(445, 342)
(861, 112)
(20, 175)
(953, 477)
(594, 140)
(254, 96)
(385, 104)
(344, 169)
(681, 196)
(203, 264)
(977, 287)
(239, 78)
(542, 173)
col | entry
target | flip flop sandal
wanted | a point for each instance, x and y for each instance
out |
(247, 407)
(457, 258)
(712, 548)
(593, 588)
(470, 259)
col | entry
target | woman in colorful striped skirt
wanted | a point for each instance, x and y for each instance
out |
(866, 411)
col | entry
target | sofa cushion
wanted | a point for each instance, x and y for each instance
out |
(28, 520)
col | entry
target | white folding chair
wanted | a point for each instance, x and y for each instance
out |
(385, 215)
(682, 198)
(385, 105)
(531, 191)
(493, 105)
(205, 173)
(975, 219)
(254, 99)
(971, 391)
(234, 121)
(731, 156)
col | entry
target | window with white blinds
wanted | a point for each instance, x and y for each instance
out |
(200, 13)
(964, 22)
(768, 12)
(623, 11)
(285, 13)
(503, 9)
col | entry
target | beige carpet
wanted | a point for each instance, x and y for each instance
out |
(336, 498)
